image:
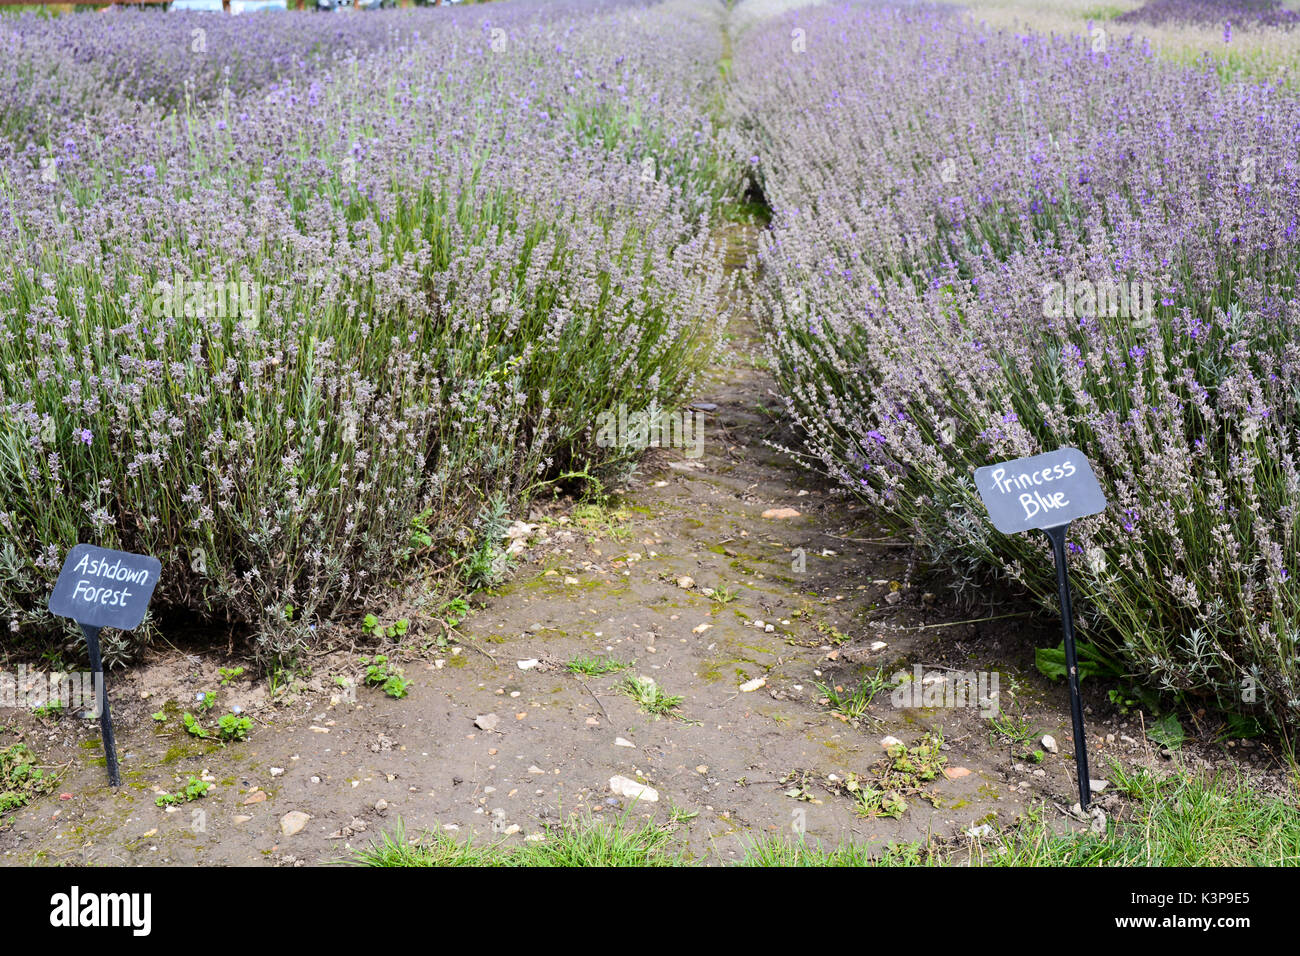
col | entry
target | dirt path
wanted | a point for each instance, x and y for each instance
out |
(736, 764)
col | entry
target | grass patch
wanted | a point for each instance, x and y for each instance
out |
(650, 697)
(1180, 820)
(600, 518)
(1015, 728)
(853, 704)
(596, 666)
(1105, 12)
(579, 842)
(782, 851)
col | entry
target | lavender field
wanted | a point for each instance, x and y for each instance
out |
(330, 313)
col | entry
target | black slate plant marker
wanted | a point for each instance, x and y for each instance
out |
(1045, 493)
(100, 588)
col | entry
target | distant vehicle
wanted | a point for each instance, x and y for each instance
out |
(375, 4)
(236, 6)
(256, 6)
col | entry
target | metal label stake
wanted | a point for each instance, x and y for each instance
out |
(1057, 536)
(100, 588)
(1045, 493)
(101, 704)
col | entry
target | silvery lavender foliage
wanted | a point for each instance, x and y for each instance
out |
(280, 329)
(936, 186)
(153, 55)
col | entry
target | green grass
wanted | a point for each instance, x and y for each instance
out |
(590, 666)
(650, 696)
(1180, 820)
(853, 704)
(1104, 12)
(783, 851)
(582, 842)
(1016, 729)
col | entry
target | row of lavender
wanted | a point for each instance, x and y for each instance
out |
(987, 246)
(350, 304)
(1227, 14)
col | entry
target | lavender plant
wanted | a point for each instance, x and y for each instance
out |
(937, 187)
(302, 320)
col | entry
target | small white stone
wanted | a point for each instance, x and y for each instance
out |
(1048, 743)
(293, 822)
(633, 790)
